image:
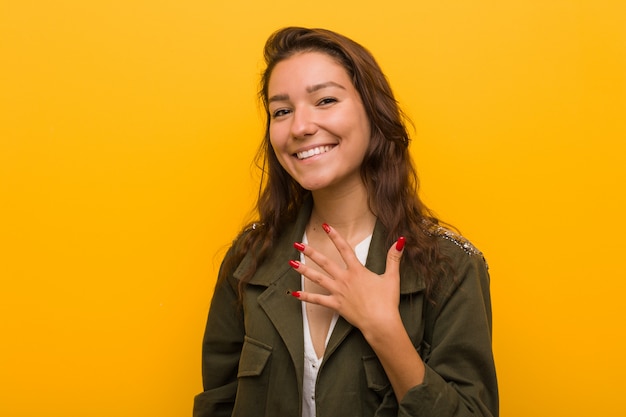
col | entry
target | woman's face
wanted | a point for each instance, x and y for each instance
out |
(318, 126)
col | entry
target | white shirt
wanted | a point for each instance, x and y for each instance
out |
(311, 361)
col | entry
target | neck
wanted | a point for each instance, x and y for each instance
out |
(348, 213)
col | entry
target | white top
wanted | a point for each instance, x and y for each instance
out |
(311, 361)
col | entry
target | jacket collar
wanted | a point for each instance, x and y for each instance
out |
(276, 266)
(285, 312)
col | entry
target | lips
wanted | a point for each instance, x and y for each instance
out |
(313, 151)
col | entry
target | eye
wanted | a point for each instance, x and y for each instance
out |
(279, 113)
(326, 101)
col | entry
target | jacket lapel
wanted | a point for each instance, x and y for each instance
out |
(283, 311)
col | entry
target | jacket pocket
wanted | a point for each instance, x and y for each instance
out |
(252, 379)
(215, 402)
(375, 374)
(254, 357)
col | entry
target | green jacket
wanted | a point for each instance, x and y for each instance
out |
(253, 354)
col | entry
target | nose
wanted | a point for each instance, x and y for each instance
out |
(303, 123)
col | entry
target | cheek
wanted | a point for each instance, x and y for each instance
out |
(275, 137)
(278, 153)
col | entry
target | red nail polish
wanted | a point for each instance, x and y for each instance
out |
(298, 246)
(294, 264)
(326, 227)
(400, 243)
(296, 294)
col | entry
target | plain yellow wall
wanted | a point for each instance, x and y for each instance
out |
(127, 132)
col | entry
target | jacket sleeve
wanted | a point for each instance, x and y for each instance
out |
(460, 377)
(221, 349)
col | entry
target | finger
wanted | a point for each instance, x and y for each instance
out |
(328, 266)
(344, 248)
(314, 276)
(394, 255)
(313, 298)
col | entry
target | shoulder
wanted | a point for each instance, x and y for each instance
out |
(241, 242)
(456, 247)
(237, 251)
(465, 267)
(449, 238)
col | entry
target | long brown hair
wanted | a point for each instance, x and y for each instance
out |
(387, 169)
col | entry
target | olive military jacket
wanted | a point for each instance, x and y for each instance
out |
(253, 353)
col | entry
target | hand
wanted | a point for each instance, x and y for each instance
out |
(365, 299)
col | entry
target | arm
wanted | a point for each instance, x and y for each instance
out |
(460, 377)
(221, 349)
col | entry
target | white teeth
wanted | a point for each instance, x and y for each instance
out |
(313, 152)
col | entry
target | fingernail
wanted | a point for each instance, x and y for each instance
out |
(298, 246)
(326, 227)
(400, 243)
(294, 264)
(295, 294)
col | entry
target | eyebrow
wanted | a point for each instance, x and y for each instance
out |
(310, 89)
(316, 87)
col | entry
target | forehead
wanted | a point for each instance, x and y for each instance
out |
(305, 69)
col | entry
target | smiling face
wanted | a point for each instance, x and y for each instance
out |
(318, 126)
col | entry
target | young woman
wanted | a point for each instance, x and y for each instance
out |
(347, 297)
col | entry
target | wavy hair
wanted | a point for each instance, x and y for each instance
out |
(387, 169)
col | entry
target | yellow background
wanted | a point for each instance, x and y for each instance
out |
(127, 131)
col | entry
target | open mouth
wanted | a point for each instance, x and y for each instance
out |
(313, 151)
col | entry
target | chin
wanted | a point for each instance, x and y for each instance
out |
(312, 186)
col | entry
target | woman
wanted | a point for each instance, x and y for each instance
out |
(346, 298)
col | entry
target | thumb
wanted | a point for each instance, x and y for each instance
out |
(393, 257)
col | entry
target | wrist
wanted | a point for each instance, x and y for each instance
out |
(383, 329)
